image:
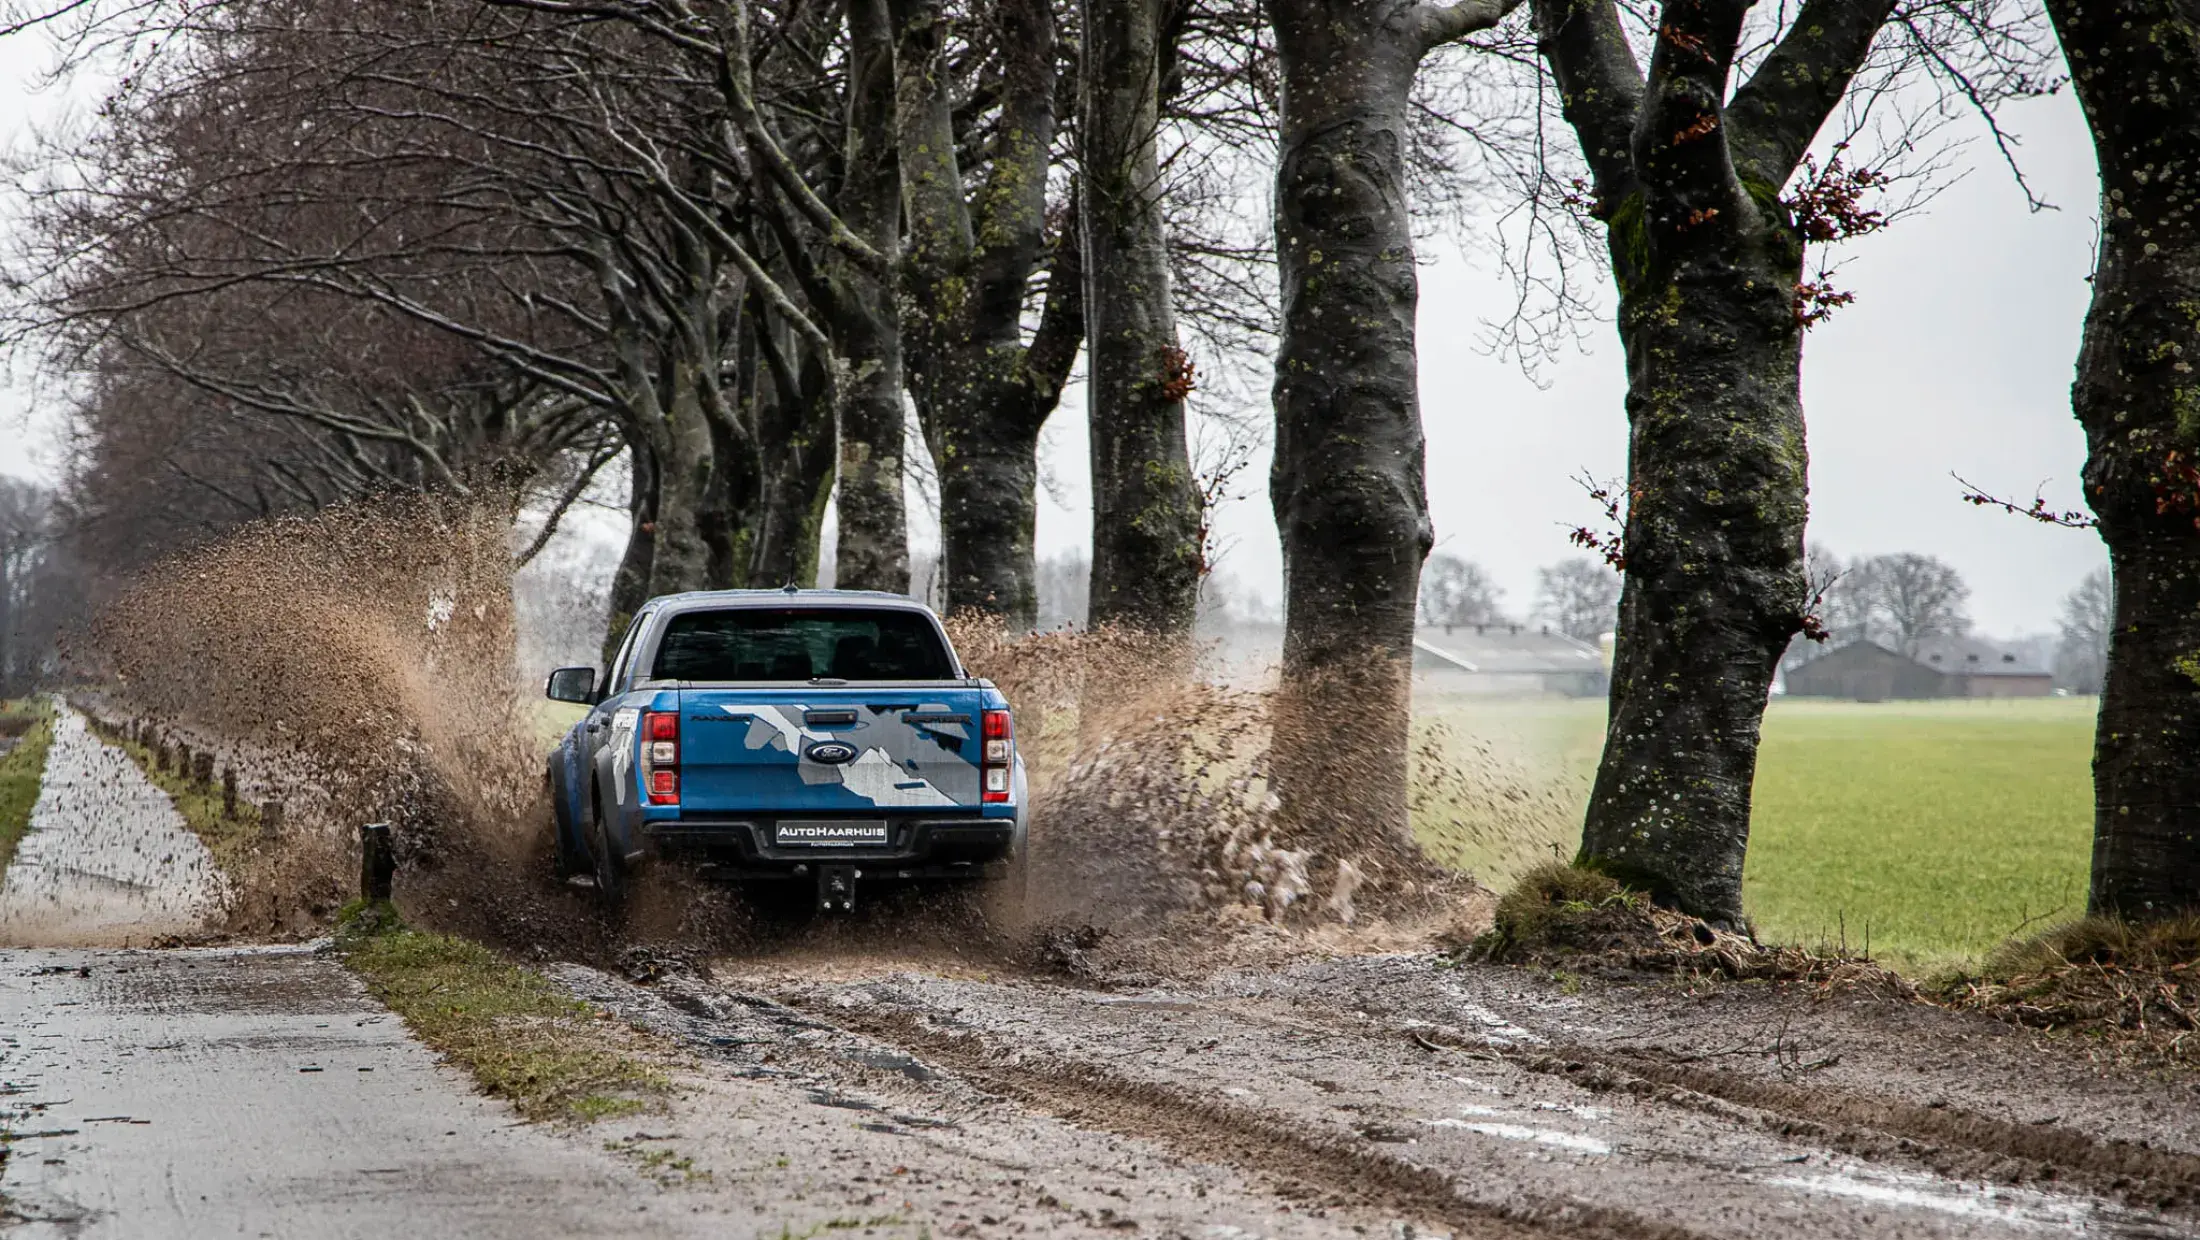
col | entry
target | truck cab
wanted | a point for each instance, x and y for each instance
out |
(826, 737)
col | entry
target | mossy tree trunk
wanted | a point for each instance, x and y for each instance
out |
(1146, 553)
(792, 413)
(707, 480)
(630, 582)
(865, 320)
(1347, 484)
(2136, 67)
(981, 390)
(1708, 262)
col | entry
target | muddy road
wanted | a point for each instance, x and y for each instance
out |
(1363, 1094)
(884, 1077)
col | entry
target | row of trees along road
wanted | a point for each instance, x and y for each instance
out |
(313, 249)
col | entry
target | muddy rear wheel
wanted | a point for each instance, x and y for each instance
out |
(609, 867)
(565, 863)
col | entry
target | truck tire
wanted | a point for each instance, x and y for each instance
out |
(608, 867)
(564, 863)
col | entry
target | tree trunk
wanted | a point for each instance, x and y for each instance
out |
(874, 536)
(797, 449)
(1347, 484)
(630, 584)
(1708, 262)
(982, 392)
(2136, 67)
(1714, 583)
(989, 513)
(687, 490)
(1146, 553)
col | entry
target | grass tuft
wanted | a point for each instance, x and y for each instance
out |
(1587, 921)
(1555, 906)
(551, 1055)
(30, 720)
(2136, 986)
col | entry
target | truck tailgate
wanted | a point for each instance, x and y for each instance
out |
(811, 750)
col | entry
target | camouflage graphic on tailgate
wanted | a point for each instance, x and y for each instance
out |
(902, 756)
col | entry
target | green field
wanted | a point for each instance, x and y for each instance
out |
(1935, 828)
(29, 723)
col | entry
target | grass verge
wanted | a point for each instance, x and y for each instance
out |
(31, 722)
(520, 1037)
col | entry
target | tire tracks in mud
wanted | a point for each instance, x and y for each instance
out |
(1951, 1141)
(1196, 1126)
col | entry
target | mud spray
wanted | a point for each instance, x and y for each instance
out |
(360, 665)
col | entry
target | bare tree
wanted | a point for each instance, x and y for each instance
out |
(1686, 168)
(27, 528)
(1909, 599)
(1348, 482)
(1146, 518)
(559, 193)
(1456, 591)
(978, 232)
(1579, 597)
(2081, 648)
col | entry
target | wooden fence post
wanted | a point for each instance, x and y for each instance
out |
(377, 862)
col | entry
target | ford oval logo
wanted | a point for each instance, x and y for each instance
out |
(832, 753)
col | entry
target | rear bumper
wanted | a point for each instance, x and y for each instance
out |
(915, 848)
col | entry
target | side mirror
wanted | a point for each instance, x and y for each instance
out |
(572, 684)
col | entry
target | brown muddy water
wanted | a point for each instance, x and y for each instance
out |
(1208, 1025)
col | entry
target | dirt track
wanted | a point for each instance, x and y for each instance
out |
(1378, 1091)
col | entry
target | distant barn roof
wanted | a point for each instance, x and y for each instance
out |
(1505, 649)
(1969, 656)
(1959, 656)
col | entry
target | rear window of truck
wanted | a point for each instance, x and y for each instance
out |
(802, 644)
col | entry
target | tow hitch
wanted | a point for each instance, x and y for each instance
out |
(836, 888)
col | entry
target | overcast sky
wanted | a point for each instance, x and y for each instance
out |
(1956, 356)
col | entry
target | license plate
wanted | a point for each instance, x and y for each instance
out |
(831, 832)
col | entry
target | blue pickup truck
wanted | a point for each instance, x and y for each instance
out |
(819, 737)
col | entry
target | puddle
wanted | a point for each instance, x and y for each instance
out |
(895, 1061)
(2023, 1207)
(1493, 1026)
(1521, 1132)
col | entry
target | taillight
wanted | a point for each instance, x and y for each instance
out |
(999, 733)
(661, 756)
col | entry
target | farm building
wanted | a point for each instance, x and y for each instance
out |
(1505, 659)
(1942, 668)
